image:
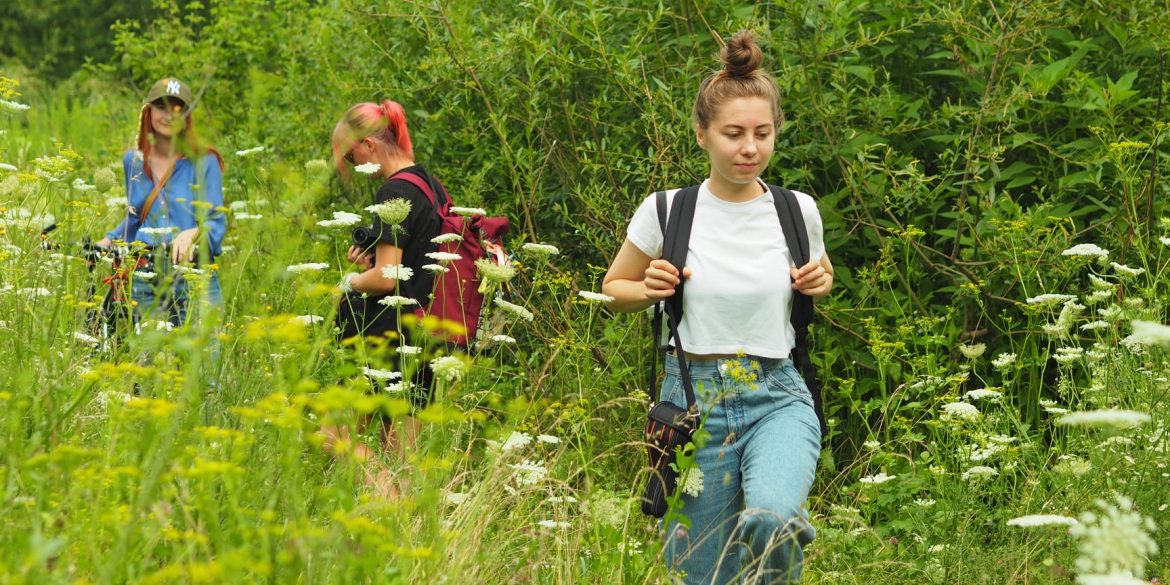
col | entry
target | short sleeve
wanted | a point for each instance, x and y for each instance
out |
(645, 231)
(812, 224)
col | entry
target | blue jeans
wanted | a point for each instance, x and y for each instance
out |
(169, 302)
(749, 522)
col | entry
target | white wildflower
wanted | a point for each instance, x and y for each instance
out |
(381, 374)
(984, 394)
(86, 338)
(1165, 241)
(33, 292)
(80, 185)
(554, 524)
(1068, 355)
(238, 206)
(1094, 325)
(456, 498)
(117, 203)
(247, 216)
(435, 268)
(249, 151)
(924, 502)
(1100, 284)
(449, 367)
(1086, 250)
(307, 319)
(13, 106)
(409, 350)
(503, 339)
(157, 231)
(397, 272)
(1115, 541)
(308, 267)
(877, 479)
(972, 351)
(1124, 270)
(594, 297)
(1151, 333)
(692, 481)
(8, 167)
(1050, 299)
(541, 250)
(1118, 419)
(468, 211)
(443, 257)
(144, 274)
(493, 272)
(553, 440)
(341, 219)
(515, 309)
(979, 473)
(529, 473)
(1042, 520)
(517, 440)
(872, 445)
(392, 211)
(446, 238)
(396, 301)
(959, 410)
(1003, 361)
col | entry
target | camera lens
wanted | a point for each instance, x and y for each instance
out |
(363, 236)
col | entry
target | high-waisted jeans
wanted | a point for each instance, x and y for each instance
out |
(749, 522)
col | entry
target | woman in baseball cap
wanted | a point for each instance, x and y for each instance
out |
(174, 189)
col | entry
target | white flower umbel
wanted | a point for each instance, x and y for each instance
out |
(1042, 520)
(8, 168)
(1051, 407)
(80, 185)
(397, 272)
(1124, 270)
(435, 269)
(456, 498)
(117, 202)
(308, 267)
(692, 481)
(594, 297)
(1067, 355)
(1091, 250)
(443, 258)
(529, 473)
(1113, 579)
(1095, 325)
(1151, 333)
(449, 367)
(157, 231)
(238, 206)
(409, 350)
(980, 474)
(1003, 361)
(959, 410)
(341, 219)
(250, 151)
(468, 211)
(550, 439)
(144, 274)
(984, 394)
(877, 479)
(517, 440)
(368, 168)
(12, 106)
(247, 216)
(86, 338)
(446, 238)
(1050, 299)
(503, 339)
(308, 319)
(540, 250)
(1116, 419)
(972, 351)
(381, 374)
(493, 272)
(1114, 542)
(392, 211)
(397, 301)
(552, 524)
(515, 309)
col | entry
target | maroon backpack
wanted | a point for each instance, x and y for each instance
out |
(456, 292)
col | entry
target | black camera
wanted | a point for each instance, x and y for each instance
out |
(364, 236)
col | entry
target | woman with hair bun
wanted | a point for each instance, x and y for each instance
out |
(748, 517)
(376, 135)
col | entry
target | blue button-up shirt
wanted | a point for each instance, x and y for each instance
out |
(172, 208)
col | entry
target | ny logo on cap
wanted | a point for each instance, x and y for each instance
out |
(173, 87)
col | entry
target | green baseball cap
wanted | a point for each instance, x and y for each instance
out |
(169, 87)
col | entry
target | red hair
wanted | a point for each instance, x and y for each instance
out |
(385, 122)
(187, 135)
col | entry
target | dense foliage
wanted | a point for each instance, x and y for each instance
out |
(956, 150)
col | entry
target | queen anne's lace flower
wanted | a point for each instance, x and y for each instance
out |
(503, 339)
(550, 439)
(397, 272)
(516, 440)
(877, 479)
(341, 219)
(447, 238)
(979, 474)
(1068, 355)
(594, 297)
(1151, 333)
(1050, 299)
(308, 267)
(541, 250)
(308, 319)
(1086, 250)
(381, 374)
(1124, 270)
(1117, 419)
(984, 394)
(449, 367)
(1042, 520)
(435, 268)
(368, 168)
(972, 351)
(443, 257)
(1003, 361)
(1114, 542)
(86, 338)
(396, 301)
(692, 481)
(959, 410)
(468, 211)
(392, 211)
(493, 272)
(249, 151)
(515, 309)
(528, 473)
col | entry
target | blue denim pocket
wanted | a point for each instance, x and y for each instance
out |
(782, 374)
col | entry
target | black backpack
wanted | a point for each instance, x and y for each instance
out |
(676, 235)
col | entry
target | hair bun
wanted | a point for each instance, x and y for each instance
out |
(741, 55)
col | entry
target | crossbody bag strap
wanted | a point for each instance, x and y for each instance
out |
(145, 211)
(796, 235)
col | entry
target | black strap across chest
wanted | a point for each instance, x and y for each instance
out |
(676, 235)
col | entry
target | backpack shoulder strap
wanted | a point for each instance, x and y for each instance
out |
(660, 206)
(676, 241)
(796, 235)
(417, 181)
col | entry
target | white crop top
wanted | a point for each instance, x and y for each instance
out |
(739, 296)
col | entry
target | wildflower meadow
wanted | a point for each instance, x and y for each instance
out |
(993, 179)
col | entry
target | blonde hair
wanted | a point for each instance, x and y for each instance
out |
(385, 121)
(740, 77)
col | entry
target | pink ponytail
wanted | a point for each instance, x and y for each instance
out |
(396, 123)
